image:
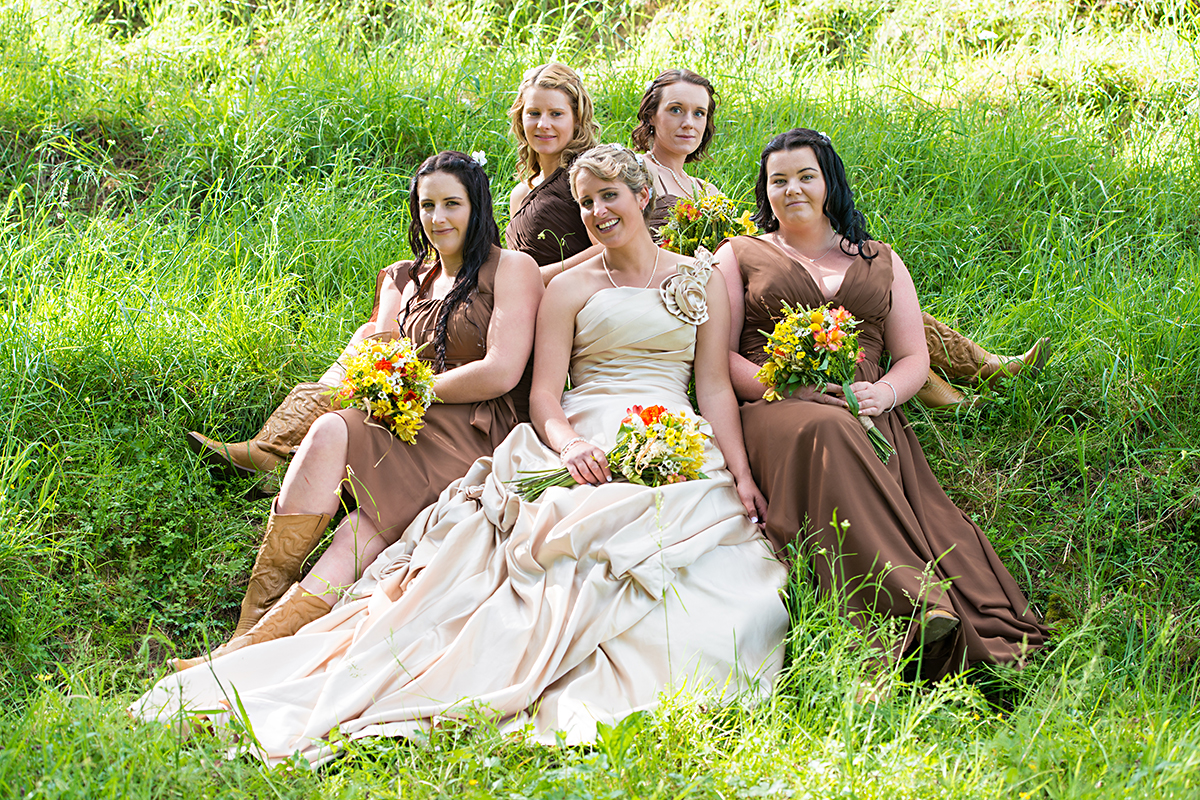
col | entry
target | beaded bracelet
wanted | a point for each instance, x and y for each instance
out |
(570, 444)
(895, 397)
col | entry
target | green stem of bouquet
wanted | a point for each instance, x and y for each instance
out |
(883, 448)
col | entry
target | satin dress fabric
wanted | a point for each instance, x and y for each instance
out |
(901, 547)
(557, 614)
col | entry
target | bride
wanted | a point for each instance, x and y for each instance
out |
(580, 607)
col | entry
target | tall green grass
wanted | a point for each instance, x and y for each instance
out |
(194, 201)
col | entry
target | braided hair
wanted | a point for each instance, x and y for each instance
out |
(838, 208)
(480, 237)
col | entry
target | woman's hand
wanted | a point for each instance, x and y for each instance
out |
(830, 397)
(873, 398)
(586, 463)
(753, 501)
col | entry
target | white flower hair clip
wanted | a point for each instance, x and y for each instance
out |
(825, 137)
(479, 157)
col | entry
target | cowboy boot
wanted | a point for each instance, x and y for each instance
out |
(278, 439)
(288, 540)
(959, 357)
(936, 393)
(294, 610)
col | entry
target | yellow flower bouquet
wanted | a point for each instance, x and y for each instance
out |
(389, 381)
(816, 347)
(703, 222)
(654, 447)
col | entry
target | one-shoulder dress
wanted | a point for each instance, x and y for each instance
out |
(908, 549)
(557, 614)
(547, 226)
(390, 480)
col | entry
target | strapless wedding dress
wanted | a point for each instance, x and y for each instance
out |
(547, 616)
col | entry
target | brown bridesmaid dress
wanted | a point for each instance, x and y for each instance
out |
(547, 226)
(391, 481)
(908, 549)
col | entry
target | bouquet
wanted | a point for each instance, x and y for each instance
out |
(703, 222)
(390, 382)
(815, 347)
(654, 447)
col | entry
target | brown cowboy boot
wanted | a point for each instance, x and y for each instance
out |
(277, 440)
(936, 393)
(959, 357)
(294, 610)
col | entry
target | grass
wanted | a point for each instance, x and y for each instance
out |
(194, 200)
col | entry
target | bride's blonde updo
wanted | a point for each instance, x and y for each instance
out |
(615, 162)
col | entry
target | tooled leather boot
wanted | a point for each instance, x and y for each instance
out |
(294, 610)
(936, 393)
(959, 357)
(278, 439)
(288, 540)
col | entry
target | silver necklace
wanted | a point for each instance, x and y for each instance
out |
(814, 260)
(674, 174)
(604, 263)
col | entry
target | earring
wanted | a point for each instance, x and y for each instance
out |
(651, 130)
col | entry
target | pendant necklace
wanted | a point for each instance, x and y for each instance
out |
(604, 263)
(674, 174)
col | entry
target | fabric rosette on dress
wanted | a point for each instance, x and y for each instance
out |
(685, 293)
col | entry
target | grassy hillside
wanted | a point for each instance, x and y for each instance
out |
(194, 200)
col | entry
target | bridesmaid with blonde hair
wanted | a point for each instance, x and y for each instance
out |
(553, 121)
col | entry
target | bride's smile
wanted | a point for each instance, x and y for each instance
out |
(608, 208)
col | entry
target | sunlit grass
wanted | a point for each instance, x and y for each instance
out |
(193, 207)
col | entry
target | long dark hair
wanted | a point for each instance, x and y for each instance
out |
(481, 236)
(839, 208)
(643, 134)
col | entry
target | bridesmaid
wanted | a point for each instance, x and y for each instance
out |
(675, 125)
(474, 305)
(553, 122)
(907, 552)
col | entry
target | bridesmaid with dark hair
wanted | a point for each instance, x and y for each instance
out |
(474, 306)
(901, 548)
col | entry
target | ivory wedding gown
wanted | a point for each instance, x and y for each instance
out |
(576, 609)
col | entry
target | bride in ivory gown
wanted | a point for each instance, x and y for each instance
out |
(575, 609)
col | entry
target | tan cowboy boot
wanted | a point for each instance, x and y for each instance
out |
(959, 357)
(288, 540)
(936, 393)
(294, 610)
(277, 440)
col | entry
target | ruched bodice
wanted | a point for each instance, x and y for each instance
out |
(628, 350)
(772, 277)
(547, 226)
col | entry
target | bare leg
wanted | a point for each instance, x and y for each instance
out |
(315, 475)
(356, 543)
